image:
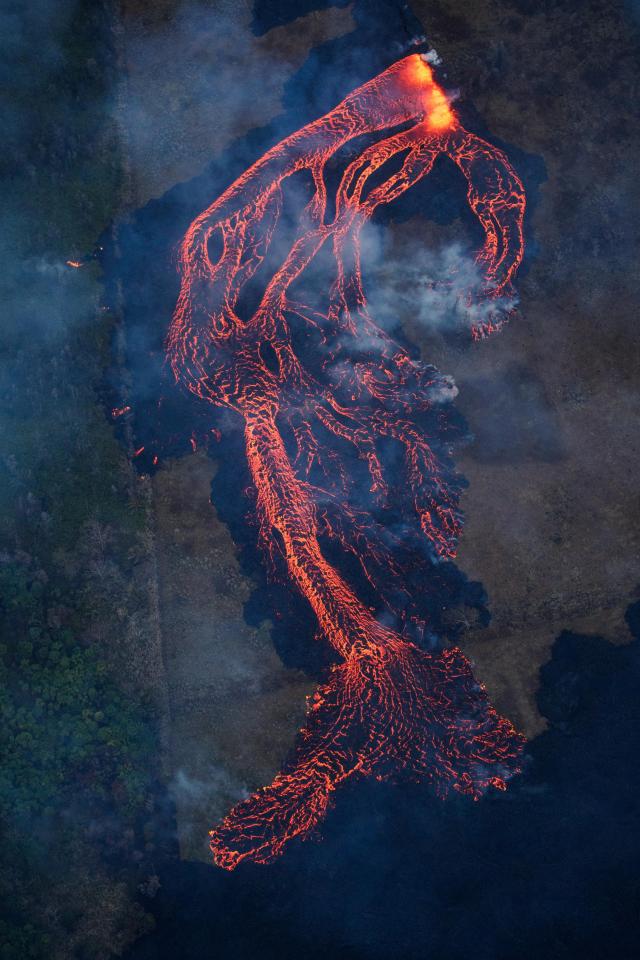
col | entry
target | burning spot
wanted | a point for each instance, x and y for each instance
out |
(119, 412)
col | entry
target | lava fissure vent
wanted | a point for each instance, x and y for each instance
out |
(342, 445)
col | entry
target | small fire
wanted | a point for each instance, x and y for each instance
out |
(76, 264)
(119, 412)
(342, 445)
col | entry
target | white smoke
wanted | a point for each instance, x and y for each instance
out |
(217, 782)
(432, 57)
(440, 289)
(445, 391)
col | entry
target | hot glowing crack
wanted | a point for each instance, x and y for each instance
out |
(317, 420)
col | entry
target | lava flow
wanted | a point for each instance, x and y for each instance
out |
(346, 438)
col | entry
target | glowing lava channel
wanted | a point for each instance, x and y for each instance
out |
(389, 709)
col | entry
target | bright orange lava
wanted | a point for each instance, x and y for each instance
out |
(389, 709)
(438, 114)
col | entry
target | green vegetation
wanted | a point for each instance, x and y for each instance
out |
(78, 737)
(74, 768)
(63, 722)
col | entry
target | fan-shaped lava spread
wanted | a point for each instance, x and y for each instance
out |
(346, 441)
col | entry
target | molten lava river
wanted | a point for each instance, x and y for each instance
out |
(354, 485)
